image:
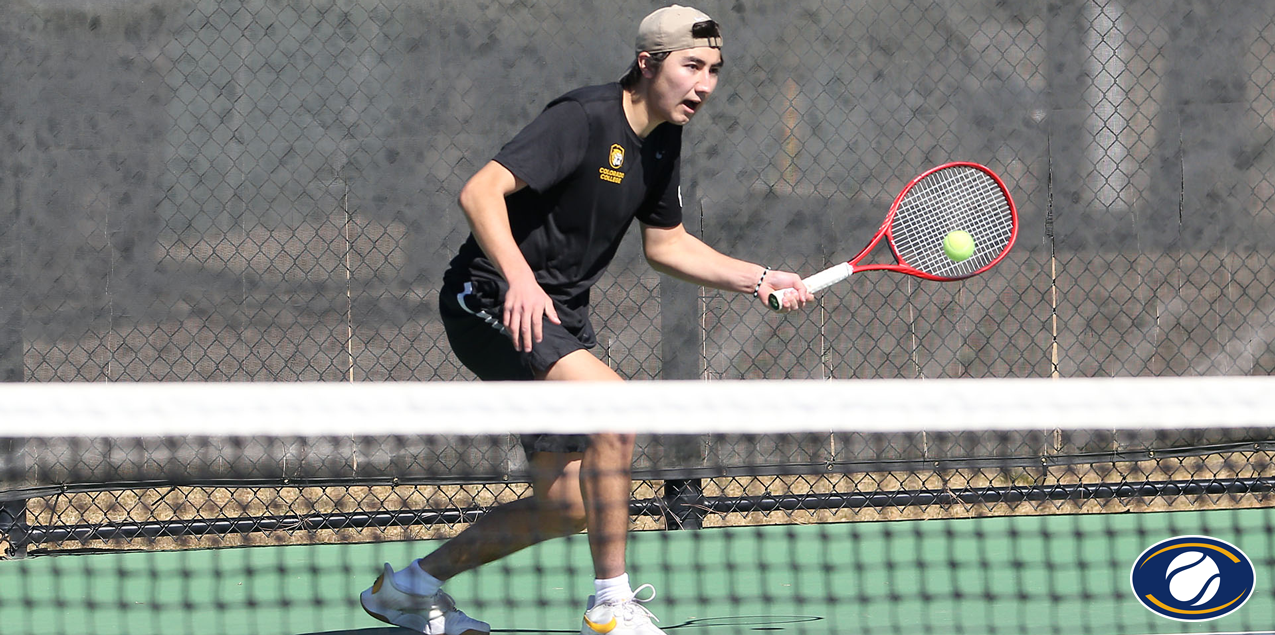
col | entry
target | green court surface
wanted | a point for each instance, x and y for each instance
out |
(1043, 574)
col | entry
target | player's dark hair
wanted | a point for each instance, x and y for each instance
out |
(631, 76)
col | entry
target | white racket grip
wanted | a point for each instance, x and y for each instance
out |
(816, 283)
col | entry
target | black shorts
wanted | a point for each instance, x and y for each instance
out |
(533, 443)
(472, 319)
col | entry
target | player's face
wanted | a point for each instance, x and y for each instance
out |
(683, 83)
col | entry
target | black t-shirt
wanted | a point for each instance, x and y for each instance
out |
(588, 176)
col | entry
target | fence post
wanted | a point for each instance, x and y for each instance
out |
(13, 513)
(13, 172)
(681, 359)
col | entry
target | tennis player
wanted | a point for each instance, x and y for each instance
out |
(547, 215)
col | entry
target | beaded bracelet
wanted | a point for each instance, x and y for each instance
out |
(759, 281)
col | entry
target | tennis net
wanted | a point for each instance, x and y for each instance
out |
(880, 506)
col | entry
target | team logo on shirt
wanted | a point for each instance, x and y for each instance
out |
(616, 159)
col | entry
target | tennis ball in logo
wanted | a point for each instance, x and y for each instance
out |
(958, 245)
(1193, 578)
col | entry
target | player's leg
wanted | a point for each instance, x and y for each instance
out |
(412, 597)
(605, 480)
(562, 502)
(606, 486)
(555, 509)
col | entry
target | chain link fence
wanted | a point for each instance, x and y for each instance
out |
(252, 190)
(264, 190)
(203, 491)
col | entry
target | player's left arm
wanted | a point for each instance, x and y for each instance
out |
(674, 251)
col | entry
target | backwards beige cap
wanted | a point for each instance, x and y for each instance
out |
(674, 28)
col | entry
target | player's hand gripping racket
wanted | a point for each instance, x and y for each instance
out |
(930, 226)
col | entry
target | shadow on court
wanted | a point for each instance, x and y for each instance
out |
(766, 623)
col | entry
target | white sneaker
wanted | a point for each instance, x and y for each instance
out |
(621, 618)
(430, 614)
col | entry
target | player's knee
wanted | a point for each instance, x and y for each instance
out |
(574, 520)
(577, 521)
(562, 503)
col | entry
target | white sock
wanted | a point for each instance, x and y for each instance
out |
(414, 579)
(612, 590)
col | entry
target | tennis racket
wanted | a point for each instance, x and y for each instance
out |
(955, 196)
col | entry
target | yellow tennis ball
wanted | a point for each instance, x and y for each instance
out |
(958, 245)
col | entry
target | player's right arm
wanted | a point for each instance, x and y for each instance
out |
(526, 303)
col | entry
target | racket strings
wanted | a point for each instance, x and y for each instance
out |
(954, 198)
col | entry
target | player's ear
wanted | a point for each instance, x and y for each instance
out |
(644, 64)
